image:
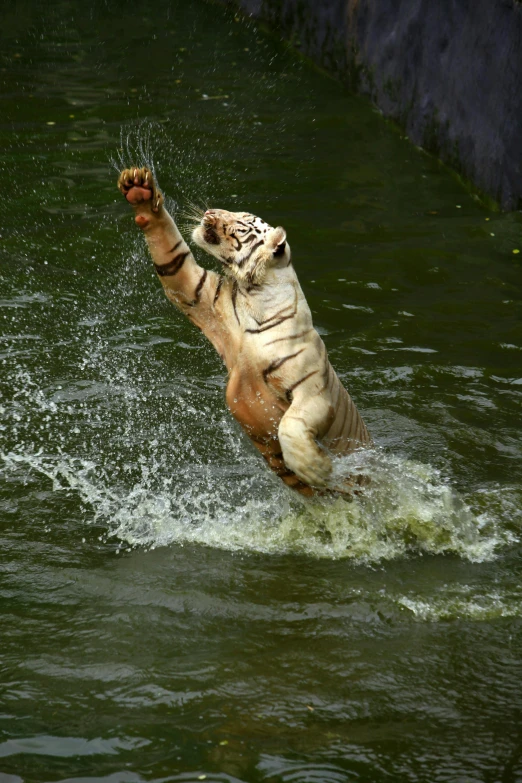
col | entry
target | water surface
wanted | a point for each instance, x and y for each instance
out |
(170, 610)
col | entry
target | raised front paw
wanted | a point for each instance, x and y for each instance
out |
(140, 189)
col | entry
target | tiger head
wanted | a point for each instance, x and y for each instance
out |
(243, 243)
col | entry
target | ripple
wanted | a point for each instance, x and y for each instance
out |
(67, 747)
(306, 773)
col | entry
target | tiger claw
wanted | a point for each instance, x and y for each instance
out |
(140, 189)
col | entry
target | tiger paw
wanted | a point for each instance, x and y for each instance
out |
(141, 191)
(312, 466)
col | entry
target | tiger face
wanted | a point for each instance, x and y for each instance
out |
(243, 243)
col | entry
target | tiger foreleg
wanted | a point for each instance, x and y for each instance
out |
(166, 245)
(186, 284)
(297, 434)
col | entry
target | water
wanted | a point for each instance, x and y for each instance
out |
(171, 611)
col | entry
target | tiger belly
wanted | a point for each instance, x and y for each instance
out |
(252, 405)
(259, 413)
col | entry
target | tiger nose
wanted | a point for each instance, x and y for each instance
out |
(209, 218)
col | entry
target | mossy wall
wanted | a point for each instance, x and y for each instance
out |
(450, 72)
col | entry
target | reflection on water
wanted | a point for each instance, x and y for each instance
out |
(171, 611)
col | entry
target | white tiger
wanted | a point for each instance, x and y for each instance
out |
(281, 387)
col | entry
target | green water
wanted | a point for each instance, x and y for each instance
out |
(169, 610)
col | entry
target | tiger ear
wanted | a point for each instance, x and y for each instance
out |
(278, 241)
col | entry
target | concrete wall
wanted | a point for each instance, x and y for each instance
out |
(449, 71)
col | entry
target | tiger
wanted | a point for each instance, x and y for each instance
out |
(281, 387)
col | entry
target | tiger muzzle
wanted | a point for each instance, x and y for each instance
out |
(210, 234)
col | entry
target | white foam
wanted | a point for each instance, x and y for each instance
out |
(406, 509)
(474, 605)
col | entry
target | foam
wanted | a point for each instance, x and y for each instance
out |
(407, 509)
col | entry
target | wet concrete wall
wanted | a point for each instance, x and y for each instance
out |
(448, 71)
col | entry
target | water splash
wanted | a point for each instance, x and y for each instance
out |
(450, 602)
(407, 509)
(157, 460)
(123, 405)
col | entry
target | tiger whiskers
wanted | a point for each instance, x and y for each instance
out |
(191, 216)
(193, 212)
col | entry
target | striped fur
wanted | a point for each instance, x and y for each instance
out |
(282, 389)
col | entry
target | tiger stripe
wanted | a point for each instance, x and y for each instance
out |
(288, 393)
(276, 315)
(252, 250)
(270, 326)
(173, 267)
(218, 291)
(290, 337)
(278, 363)
(197, 292)
(234, 297)
(178, 243)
